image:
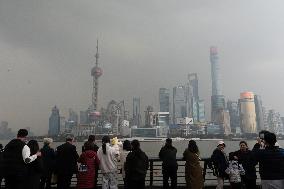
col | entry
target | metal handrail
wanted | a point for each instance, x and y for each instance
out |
(154, 175)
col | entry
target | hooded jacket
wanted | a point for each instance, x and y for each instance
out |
(86, 179)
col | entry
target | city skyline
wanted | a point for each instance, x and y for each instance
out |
(48, 48)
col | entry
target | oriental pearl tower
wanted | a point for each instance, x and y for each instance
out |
(96, 73)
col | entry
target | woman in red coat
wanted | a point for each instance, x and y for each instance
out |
(89, 163)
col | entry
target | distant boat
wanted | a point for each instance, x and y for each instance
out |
(237, 139)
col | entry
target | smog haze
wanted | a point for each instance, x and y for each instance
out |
(47, 52)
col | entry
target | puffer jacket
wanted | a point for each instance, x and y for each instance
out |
(85, 179)
(235, 170)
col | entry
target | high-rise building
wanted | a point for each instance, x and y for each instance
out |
(136, 112)
(84, 118)
(274, 121)
(164, 98)
(62, 124)
(224, 121)
(265, 118)
(233, 109)
(193, 82)
(73, 116)
(150, 117)
(259, 113)
(201, 111)
(247, 113)
(179, 103)
(54, 122)
(217, 99)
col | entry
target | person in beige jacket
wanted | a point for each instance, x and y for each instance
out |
(193, 169)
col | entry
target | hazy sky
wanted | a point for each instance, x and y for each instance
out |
(47, 50)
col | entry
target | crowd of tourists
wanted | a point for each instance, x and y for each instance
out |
(24, 165)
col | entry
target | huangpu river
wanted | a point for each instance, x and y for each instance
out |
(152, 149)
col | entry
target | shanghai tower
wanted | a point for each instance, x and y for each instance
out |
(217, 99)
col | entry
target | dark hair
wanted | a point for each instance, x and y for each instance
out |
(270, 138)
(192, 147)
(69, 139)
(22, 133)
(243, 142)
(231, 156)
(34, 147)
(89, 146)
(127, 145)
(92, 138)
(105, 140)
(1, 146)
(168, 142)
(135, 144)
(262, 133)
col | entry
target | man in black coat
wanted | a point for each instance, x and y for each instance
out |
(136, 166)
(169, 166)
(16, 156)
(66, 163)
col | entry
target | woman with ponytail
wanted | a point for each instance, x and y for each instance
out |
(108, 164)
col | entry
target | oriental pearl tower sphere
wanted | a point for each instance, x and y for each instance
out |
(96, 73)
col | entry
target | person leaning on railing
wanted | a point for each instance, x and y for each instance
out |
(136, 167)
(169, 166)
(193, 169)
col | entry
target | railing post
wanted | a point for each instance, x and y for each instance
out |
(205, 168)
(151, 173)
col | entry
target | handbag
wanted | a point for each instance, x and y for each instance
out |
(83, 168)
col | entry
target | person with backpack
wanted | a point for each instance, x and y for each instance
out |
(92, 140)
(88, 164)
(220, 163)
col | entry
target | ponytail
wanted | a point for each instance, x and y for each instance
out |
(104, 148)
(105, 140)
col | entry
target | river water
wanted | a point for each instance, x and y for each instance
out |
(152, 149)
